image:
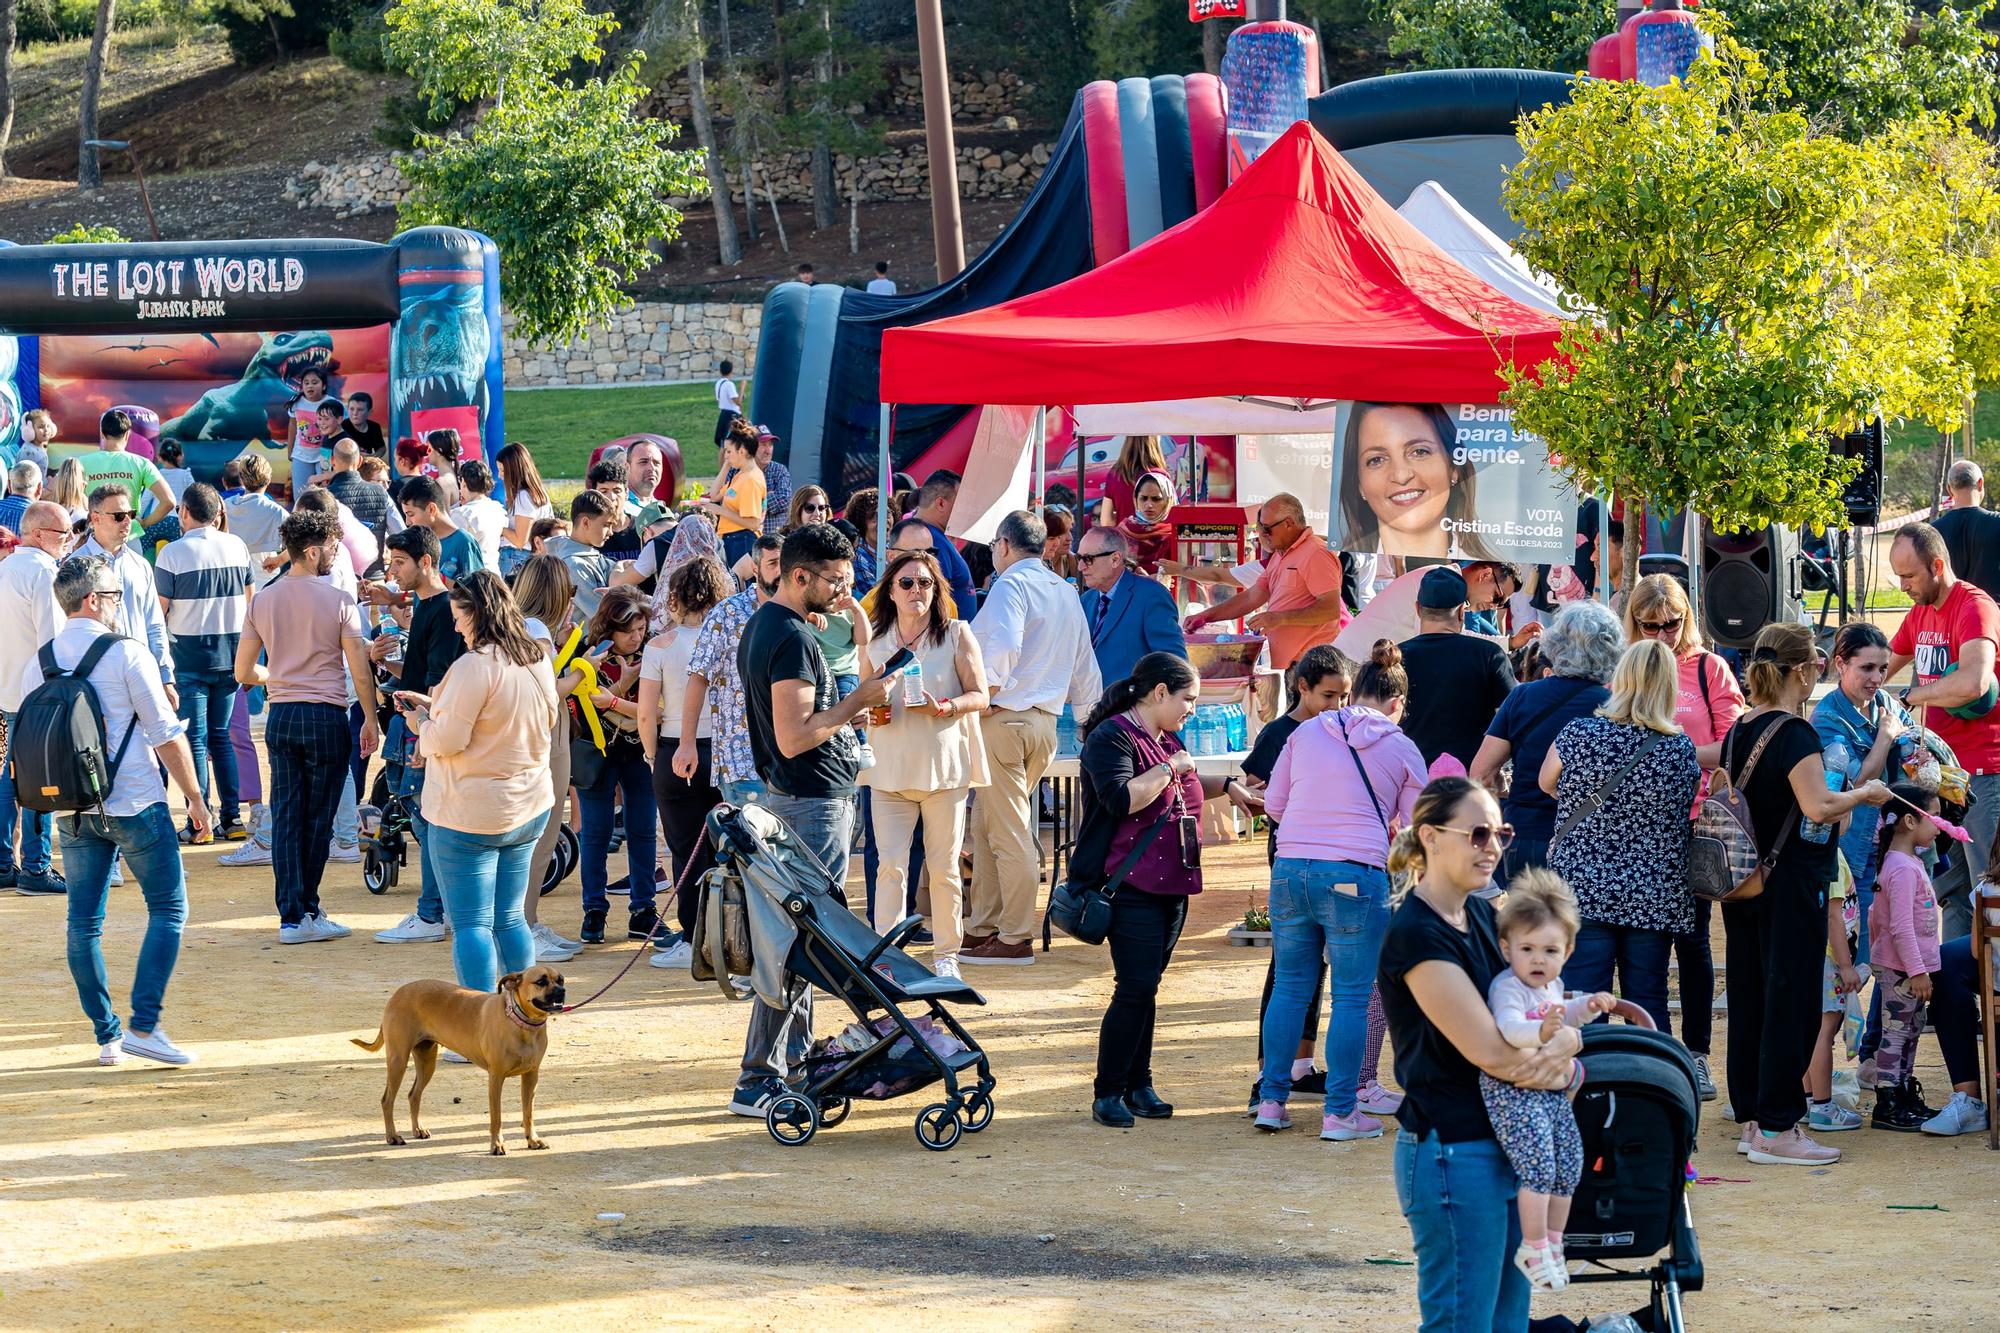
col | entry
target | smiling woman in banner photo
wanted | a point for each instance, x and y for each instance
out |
(1400, 491)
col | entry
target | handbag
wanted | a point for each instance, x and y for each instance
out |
(586, 763)
(1594, 802)
(1083, 911)
(720, 941)
(1723, 862)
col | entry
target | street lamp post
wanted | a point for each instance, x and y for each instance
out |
(125, 146)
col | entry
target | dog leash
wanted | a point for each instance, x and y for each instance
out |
(672, 897)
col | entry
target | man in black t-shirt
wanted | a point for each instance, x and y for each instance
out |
(432, 644)
(802, 736)
(1457, 680)
(1970, 530)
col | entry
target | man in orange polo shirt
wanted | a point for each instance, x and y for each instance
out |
(1299, 590)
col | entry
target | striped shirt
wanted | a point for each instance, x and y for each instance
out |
(203, 576)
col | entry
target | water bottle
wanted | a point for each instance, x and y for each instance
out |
(913, 685)
(1239, 729)
(1816, 832)
(1066, 733)
(1205, 722)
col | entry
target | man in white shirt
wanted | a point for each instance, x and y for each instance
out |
(205, 581)
(881, 284)
(728, 403)
(1032, 633)
(29, 618)
(482, 516)
(139, 616)
(133, 819)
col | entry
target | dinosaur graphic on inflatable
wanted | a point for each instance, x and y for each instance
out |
(441, 346)
(246, 409)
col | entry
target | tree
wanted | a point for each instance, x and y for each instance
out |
(672, 34)
(1500, 34)
(470, 50)
(88, 174)
(9, 13)
(570, 184)
(846, 75)
(1755, 283)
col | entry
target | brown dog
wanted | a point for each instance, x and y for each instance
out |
(505, 1033)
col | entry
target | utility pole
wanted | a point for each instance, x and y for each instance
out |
(949, 234)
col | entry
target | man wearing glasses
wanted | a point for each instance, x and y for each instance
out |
(802, 735)
(29, 618)
(1296, 601)
(139, 616)
(1129, 615)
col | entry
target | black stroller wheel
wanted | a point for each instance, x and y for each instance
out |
(792, 1119)
(378, 872)
(978, 1112)
(562, 859)
(834, 1112)
(938, 1126)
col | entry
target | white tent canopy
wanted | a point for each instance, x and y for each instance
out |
(1441, 218)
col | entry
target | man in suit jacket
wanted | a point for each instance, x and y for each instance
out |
(1129, 614)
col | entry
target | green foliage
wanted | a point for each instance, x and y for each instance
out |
(1046, 40)
(570, 184)
(407, 117)
(260, 30)
(1757, 283)
(1497, 34)
(89, 233)
(1144, 37)
(822, 111)
(471, 50)
(359, 45)
(65, 20)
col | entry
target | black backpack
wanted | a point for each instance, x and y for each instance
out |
(57, 745)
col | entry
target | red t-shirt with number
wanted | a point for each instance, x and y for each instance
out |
(1933, 637)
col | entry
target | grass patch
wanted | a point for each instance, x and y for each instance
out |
(562, 426)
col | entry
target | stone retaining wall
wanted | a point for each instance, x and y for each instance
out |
(653, 340)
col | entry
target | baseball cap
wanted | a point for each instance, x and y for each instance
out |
(1442, 589)
(764, 433)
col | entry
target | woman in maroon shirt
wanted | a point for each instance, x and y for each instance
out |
(1137, 776)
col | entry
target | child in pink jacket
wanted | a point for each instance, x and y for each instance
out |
(1903, 943)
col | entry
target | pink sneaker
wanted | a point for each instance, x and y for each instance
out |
(1358, 1125)
(1792, 1147)
(1273, 1116)
(1375, 1099)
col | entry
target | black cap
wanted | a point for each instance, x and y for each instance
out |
(1442, 589)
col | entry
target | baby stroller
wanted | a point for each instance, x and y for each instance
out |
(385, 846)
(1638, 1113)
(832, 949)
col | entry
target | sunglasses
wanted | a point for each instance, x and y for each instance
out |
(1094, 556)
(118, 515)
(909, 581)
(1660, 626)
(815, 509)
(1483, 836)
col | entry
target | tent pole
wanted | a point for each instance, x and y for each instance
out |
(1039, 442)
(884, 499)
(1604, 499)
(1082, 461)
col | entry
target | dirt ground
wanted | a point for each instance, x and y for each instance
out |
(253, 1189)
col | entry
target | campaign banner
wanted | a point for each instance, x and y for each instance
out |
(1446, 481)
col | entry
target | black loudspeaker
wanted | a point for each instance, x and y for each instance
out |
(1863, 496)
(1748, 580)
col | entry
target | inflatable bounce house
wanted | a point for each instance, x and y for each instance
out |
(205, 342)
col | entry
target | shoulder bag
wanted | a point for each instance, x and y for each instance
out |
(1724, 865)
(1082, 910)
(1594, 802)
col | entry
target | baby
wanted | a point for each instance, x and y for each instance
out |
(1535, 1126)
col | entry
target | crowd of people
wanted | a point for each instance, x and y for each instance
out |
(1479, 826)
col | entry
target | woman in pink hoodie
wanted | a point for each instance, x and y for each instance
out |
(1356, 775)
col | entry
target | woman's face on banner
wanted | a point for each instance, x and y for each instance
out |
(1405, 471)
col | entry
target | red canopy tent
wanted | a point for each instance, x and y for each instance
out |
(1299, 282)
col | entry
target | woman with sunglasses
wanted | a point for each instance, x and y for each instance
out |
(1441, 953)
(929, 754)
(809, 505)
(1141, 806)
(1624, 780)
(1707, 706)
(618, 635)
(1776, 941)
(1341, 783)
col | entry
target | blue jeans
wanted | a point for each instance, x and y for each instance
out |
(207, 702)
(746, 791)
(1336, 911)
(485, 880)
(777, 1037)
(1639, 957)
(634, 780)
(736, 545)
(1963, 870)
(35, 826)
(152, 849)
(1459, 1201)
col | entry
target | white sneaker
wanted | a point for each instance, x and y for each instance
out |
(412, 929)
(551, 947)
(117, 875)
(260, 820)
(111, 1052)
(1963, 1114)
(155, 1045)
(251, 853)
(329, 929)
(680, 955)
(947, 966)
(343, 852)
(303, 933)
